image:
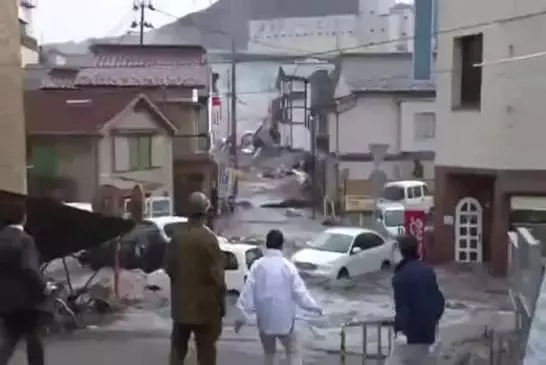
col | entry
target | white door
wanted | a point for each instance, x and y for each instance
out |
(468, 230)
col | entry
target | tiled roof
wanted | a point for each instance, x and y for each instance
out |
(76, 112)
(182, 76)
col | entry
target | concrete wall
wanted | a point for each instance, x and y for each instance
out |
(12, 139)
(374, 119)
(508, 130)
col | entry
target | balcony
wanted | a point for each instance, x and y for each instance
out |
(26, 40)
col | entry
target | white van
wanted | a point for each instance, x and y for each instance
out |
(239, 259)
(389, 219)
(412, 194)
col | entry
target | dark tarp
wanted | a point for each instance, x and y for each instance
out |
(60, 230)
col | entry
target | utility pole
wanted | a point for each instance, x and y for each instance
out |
(234, 152)
(141, 6)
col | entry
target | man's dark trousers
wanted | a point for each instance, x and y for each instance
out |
(206, 336)
(19, 325)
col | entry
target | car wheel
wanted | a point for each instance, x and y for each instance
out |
(343, 274)
(385, 265)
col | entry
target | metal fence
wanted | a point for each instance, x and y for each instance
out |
(377, 340)
(525, 272)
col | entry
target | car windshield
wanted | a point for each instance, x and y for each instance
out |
(393, 193)
(171, 228)
(394, 218)
(332, 242)
(161, 208)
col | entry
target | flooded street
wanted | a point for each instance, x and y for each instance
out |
(475, 301)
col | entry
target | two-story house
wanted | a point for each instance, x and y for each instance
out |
(294, 84)
(175, 78)
(80, 140)
(377, 103)
(490, 125)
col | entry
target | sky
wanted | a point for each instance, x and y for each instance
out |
(76, 20)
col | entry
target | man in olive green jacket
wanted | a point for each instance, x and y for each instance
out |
(195, 265)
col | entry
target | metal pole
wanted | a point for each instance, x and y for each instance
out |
(291, 113)
(234, 113)
(141, 25)
(337, 197)
(312, 125)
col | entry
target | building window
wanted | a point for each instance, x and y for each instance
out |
(134, 153)
(424, 126)
(469, 53)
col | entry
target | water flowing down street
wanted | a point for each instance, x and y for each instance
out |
(475, 301)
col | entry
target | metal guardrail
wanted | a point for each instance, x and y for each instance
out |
(525, 272)
(384, 336)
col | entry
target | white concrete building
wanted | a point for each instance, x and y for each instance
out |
(490, 130)
(376, 22)
(393, 110)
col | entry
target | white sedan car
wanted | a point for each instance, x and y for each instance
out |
(346, 252)
(167, 225)
(239, 256)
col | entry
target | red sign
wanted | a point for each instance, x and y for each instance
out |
(414, 223)
(216, 101)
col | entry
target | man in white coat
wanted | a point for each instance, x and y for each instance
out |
(273, 291)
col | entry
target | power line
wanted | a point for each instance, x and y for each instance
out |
(142, 6)
(393, 77)
(334, 51)
(121, 24)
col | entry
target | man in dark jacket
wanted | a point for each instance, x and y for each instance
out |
(195, 265)
(419, 305)
(22, 289)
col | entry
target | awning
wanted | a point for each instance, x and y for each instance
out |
(60, 230)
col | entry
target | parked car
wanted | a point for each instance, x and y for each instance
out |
(412, 194)
(389, 219)
(345, 252)
(142, 248)
(167, 225)
(239, 258)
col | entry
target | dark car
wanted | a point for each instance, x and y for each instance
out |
(142, 248)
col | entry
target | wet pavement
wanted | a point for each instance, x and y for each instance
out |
(476, 302)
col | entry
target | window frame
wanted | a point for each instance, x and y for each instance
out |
(364, 237)
(133, 162)
(468, 81)
(227, 261)
(424, 126)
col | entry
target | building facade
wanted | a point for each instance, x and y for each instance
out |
(120, 140)
(490, 128)
(372, 26)
(13, 165)
(29, 44)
